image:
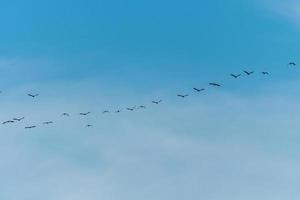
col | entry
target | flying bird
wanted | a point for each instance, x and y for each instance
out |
(88, 126)
(265, 73)
(65, 114)
(18, 119)
(182, 95)
(33, 95)
(292, 64)
(235, 75)
(199, 90)
(142, 107)
(9, 121)
(48, 122)
(85, 113)
(105, 111)
(118, 111)
(157, 102)
(215, 84)
(130, 109)
(248, 73)
(30, 127)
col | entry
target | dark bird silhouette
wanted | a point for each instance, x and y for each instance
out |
(199, 90)
(30, 127)
(33, 95)
(157, 102)
(130, 109)
(18, 119)
(248, 73)
(265, 73)
(292, 64)
(85, 113)
(215, 84)
(105, 111)
(7, 122)
(65, 114)
(48, 122)
(88, 126)
(118, 111)
(182, 95)
(235, 75)
(142, 107)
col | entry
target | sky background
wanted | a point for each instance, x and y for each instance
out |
(240, 141)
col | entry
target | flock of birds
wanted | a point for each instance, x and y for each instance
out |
(156, 102)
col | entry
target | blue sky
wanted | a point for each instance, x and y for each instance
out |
(236, 142)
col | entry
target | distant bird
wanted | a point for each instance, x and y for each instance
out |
(182, 95)
(85, 113)
(33, 95)
(157, 102)
(130, 109)
(7, 122)
(88, 126)
(215, 84)
(48, 122)
(248, 73)
(30, 127)
(199, 90)
(142, 107)
(105, 111)
(118, 111)
(18, 119)
(292, 64)
(235, 75)
(265, 73)
(65, 114)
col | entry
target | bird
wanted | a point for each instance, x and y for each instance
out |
(215, 84)
(30, 127)
(33, 95)
(292, 64)
(48, 122)
(65, 114)
(105, 111)
(157, 102)
(118, 111)
(89, 125)
(8, 121)
(265, 73)
(235, 75)
(18, 119)
(199, 90)
(182, 95)
(84, 113)
(248, 73)
(130, 109)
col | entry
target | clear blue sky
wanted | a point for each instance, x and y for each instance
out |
(237, 142)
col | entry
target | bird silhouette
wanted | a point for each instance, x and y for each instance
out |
(105, 112)
(265, 73)
(30, 127)
(248, 73)
(7, 122)
(292, 64)
(235, 75)
(33, 95)
(199, 90)
(48, 122)
(157, 102)
(182, 95)
(142, 107)
(65, 114)
(85, 113)
(130, 109)
(88, 126)
(215, 84)
(18, 119)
